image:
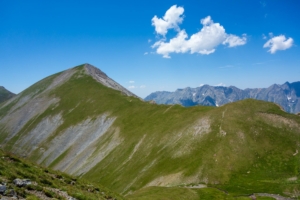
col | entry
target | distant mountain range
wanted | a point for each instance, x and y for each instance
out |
(286, 95)
(5, 94)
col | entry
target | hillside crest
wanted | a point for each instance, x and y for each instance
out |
(77, 122)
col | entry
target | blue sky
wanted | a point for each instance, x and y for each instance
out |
(150, 46)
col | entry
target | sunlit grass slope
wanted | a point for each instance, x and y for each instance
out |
(242, 148)
(44, 179)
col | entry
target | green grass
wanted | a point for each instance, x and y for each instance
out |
(177, 193)
(12, 167)
(33, 91)
(252, 143)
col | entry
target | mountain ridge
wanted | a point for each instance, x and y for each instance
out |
(286, 95)
(5, 94)
(71, 122)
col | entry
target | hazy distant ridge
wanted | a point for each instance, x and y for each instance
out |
(286, 95)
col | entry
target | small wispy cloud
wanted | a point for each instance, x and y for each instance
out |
(221, 84)
(264, 36)
(142, 86)
(131, 87)
(259, 63)
(263, 3)
(131, 82)
(149, 41)
(264, 62)
(271, 35)
(146, 53)
(227, 66)
(278, 43)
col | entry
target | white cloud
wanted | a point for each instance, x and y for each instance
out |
(131, 87)
(149, 40)
(221, 84)
(203, 42)
(278, 43)
(142, 86)
(271, 34)
(131, 82)
(146, 53)
(233, 40)
(264, 36)
(263, 3)
(206, 21)
(170, 20)
(227, 66)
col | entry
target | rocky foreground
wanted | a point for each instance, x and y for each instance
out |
(20, 179)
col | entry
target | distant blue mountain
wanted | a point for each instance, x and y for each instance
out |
(286, 95)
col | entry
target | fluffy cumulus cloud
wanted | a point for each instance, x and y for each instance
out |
(203, 42)
(171, 20)
(278, 43)
(233, 40)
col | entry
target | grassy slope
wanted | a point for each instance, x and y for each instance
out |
(254, 156)
(12, 167)
(173, 193)
(33, 90)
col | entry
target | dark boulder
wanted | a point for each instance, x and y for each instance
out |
(2, 189)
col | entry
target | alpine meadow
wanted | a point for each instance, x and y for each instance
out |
(83, 123)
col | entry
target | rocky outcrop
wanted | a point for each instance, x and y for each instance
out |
(286, 95)
(101, 77)
(21, 182)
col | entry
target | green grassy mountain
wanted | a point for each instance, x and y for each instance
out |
(5, 94)
(83, 123)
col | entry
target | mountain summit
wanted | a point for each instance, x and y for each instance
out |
(101, 77)
(286, 95)
(81, 122)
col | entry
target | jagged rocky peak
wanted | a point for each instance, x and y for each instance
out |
(101, 77)
(286, 95)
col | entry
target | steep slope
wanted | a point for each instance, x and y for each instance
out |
(71, 122)
(286, 95)
(5, 94)
(36, 182)
(102, 78)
